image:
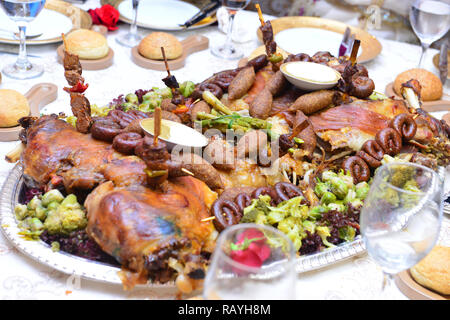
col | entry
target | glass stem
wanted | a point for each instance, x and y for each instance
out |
(228, 44)
(387, 283)
(22, 60)
(133, 27)
(424, 46)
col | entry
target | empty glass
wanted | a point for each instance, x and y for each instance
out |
(430, 21)
(251, 262)
(401, 217)
(132, 38)
(22, 12)
(227, 50)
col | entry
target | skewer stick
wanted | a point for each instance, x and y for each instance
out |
(157, 125)
(354, 53)
(63, 36)
(165, 60)
(261, 19)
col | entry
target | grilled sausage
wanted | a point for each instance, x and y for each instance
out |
(315, 101)
(241, 83)
(251, 143)
(276, 83)
(220, 154)
(261, 106)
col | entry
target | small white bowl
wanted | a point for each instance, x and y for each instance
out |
(309, 75)
(175, 134)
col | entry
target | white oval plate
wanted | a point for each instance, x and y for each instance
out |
(160, 14)
(59, 24)
(309, 40)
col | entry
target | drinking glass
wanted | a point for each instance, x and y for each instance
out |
(22, 12)
(430, 21)
(263, 270)
(227, 50)
(401, 217)
(132, 38)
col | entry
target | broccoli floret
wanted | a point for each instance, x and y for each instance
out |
(321, 188)
(339, 187)
(328, 198)
(292, 228)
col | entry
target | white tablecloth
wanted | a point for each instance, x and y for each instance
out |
(23, 278)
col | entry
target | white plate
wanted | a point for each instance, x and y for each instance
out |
(59, 24)
(159, 14)
(309, 40)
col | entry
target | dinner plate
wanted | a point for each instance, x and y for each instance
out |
(311, 34)
(64, 18)
(73, 265)
(165, 15)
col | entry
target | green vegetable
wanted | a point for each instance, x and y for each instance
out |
(128, 106)
(362, 189)
(55, 246)
(390, 196)
(70, 202)
(34, 203)
(257, 207)
(317, 211)
(327, 175)
(327, 198)
(145, 107)
(165, 93)
(52, 205)
(324, 233)
(276, 57)
(338, 206)
(132, 97)
(351, 195)
(99, 111)
(309, 226)
(40, 213)
(298, 140)
(322, 188)
(292, 228)
(72, 120)
(347, 233)
(400, 175)
(186, 88)
(52, 195)
(216, 103)
(339, 187)
(36, 225)
(21, 211)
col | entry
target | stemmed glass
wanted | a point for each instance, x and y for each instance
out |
(227, 50)
(430, 21)
(251, 262)
(22, 12)
(132, 38)
(401, 217)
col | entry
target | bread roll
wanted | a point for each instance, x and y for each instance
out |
(430, 83)
(433, 271)
(13, 106)
(150, 46)
(87, 44)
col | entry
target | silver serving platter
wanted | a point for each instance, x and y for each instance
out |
(73, 265)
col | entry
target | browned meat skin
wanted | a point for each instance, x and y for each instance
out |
(81, 108)
(73, 77)
(72, 62)
(135, 224)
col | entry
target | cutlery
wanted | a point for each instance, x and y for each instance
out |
(204, 12)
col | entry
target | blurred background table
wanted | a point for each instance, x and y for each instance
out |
(23, 278)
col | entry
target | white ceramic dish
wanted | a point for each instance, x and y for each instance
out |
(310, 76)
(165, 15)
(59, 24)
(175, 134)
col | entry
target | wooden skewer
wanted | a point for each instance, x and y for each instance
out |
(355, 49)
(64, 41)
(261, 19)
(157, 125)
(165, 60)
(208, 219)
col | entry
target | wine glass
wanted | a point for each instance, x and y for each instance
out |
(22, 12)
(251, 262)
(430, 21)
(132, 38)
(227, 50)
(401, 217)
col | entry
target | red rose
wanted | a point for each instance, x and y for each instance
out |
(106, 15)
(250, 249)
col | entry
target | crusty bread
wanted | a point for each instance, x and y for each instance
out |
(150, 46)
(433, 271)
(13, 106)
(430, 83)
(87, 44)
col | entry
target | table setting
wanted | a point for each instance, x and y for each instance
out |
(206, 150)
